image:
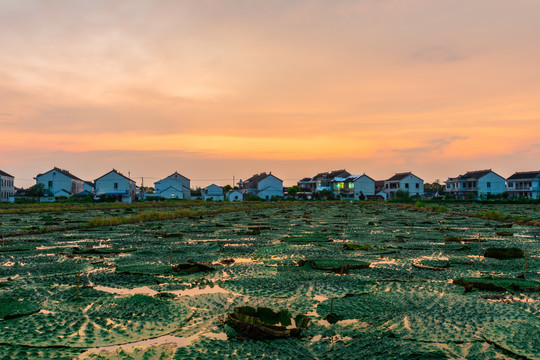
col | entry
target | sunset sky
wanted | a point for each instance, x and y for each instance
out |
(216, 89)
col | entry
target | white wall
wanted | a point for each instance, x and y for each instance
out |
(270, 181)
(7, 188)
(497, 184)
(58, 181)
(105, 184)
(270, 186)
(171, 193)
(175, 180)
(412, 181)
(364, 185)
(235, 195)
(268, 193)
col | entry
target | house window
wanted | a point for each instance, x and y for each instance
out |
(115, 186)
(406, 186)
(488, 185)
(236, 197)
(50, 184)
(510, 184)
(417, 186)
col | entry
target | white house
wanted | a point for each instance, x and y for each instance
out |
(476, 184)
(212, 192)
(321, 181)
(234, 195)
(174, 186)
(263, 185)
(115, 184)
(525, 184)
(7, 189)
(60, 183)
(353, 187)
(404, 181)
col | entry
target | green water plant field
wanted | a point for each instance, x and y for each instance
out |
(375, 281)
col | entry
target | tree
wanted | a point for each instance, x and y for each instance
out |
(323, 195)
(293, 190)
(402, 194)
(147, 189)
(434, 188)
(226, 188)
(37, 190)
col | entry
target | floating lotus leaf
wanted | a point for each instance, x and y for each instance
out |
(517, 336)
(437, 317)
(96, 322)
(11, 308)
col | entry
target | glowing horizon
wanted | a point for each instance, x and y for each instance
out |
(223, 88)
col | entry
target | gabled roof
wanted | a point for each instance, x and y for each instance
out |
(474, 174)
(331, 174)
(255, 179)
(5, 174)
(61, 171)
(353, 178)
(400, 176)
(84, 193)
(116, 172)
(306, 179)
(524, 175)
(175, 173)
(170, 187)
(213, 185)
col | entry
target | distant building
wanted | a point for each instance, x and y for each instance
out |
(60, 183)
(406, 181)
(212, 192)
(353, 187)
(379, 189)
(174, 186)
(321, 181)
(7, 188)
(524, 184)
(88, 186)
(115, 184)
(476, 184)
(234, 195)
(263, 185)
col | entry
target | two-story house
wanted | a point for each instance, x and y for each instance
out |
(321, 181)
(524, 184)
(477, 184)
(115, 184)
(60, 183)
(263, 185)
(7, 187)
(353, 187)
(212, 192)
(406, 181)
(174, 186)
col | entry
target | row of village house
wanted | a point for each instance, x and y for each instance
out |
(471, 185)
